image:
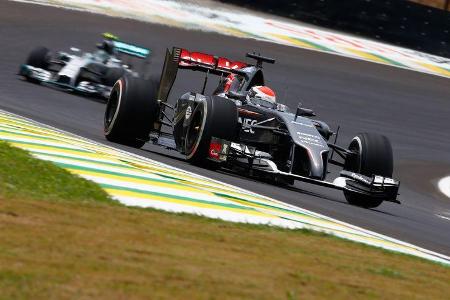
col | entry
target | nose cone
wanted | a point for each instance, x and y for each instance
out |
(318, 164)
(305, 135)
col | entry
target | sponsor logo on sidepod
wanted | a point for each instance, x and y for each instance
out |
(246, 122)
(188, 113)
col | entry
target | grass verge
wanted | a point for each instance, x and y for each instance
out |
(23, 176)
(76, 243)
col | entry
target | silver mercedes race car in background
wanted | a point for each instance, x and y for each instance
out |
(90, 74)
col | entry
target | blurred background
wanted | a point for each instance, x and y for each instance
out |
(422, 25)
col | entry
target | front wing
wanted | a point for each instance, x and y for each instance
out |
(45, 77)
(376, 186)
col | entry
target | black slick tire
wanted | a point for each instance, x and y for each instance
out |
(131, 111)
(112, 75)
(39, 58)
(214, 117)
(373, 157)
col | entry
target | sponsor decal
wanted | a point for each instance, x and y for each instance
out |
(247, 124)
(228, 82)
(200, 97)
(244, 148)
(190, 59)
(218, 149)
(214, 150)
(281, 107)
(310, 139)
(360, 178)
(132, 49)
(247, 112)
(306, 134)
(302, 124)
(383, 180)
(188, 113)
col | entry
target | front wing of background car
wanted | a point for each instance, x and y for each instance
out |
(45, 77)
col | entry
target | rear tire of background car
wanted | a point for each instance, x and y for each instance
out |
(374, 157)
(131, 111)
(39, 58)
(215, 117)
(112, 75)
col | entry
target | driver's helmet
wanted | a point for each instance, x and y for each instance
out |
(108, 47)
(263, 96)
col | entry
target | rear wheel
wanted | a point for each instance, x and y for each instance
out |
(373, 157)
(214, 117)
(131, 111)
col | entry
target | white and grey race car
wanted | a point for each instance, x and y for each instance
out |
(90, 74)
(246, 135)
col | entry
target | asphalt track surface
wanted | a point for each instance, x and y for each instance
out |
(412, 109)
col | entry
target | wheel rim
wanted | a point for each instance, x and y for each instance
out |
(355, 147)
(194, 132)
(111, 108)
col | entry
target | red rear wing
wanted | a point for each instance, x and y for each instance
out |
(203, 61)
(180, 58)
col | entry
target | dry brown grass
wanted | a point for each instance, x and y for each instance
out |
(67, 250)
(433, 3)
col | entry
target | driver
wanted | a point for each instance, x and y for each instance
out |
(262, 96)
(107, 50)
(109, 47)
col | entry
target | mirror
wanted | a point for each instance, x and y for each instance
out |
(304, 112)
(235, 95)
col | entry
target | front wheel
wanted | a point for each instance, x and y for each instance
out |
(39, 58)
(131, 111)
(373, 156)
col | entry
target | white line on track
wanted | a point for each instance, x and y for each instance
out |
(443, 217)
(444, 186)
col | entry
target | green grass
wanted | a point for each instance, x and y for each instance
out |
(21, 175)
(61, 237)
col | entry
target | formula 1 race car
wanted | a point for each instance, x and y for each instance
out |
(90, 74)
(229, 130)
